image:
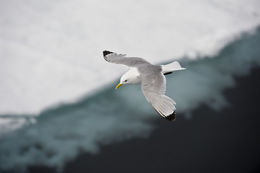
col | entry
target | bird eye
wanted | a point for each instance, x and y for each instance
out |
(125, 81)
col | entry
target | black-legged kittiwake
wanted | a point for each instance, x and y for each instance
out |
(152, 80)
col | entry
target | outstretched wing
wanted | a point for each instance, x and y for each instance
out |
(154, 87)
(122, 59)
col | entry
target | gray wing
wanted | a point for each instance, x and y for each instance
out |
(122, 59)
(154, 87)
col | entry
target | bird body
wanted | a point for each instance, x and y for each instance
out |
(134, 76)
(152, 79)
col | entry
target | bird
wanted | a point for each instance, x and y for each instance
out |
(152, 80)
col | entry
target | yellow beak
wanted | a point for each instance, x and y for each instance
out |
(118, 85)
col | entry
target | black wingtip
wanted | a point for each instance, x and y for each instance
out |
(171, 117)
(167, 73)
(106, 52)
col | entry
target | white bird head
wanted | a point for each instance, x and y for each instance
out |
(130, 77)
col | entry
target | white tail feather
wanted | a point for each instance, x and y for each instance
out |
(174, 66)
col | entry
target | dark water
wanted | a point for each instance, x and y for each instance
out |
(211, 141)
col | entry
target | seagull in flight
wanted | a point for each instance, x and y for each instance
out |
(152, 79)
